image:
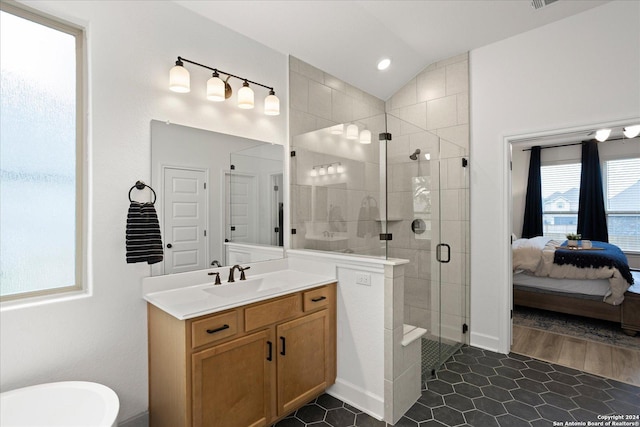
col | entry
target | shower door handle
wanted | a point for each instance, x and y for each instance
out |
(439, 253)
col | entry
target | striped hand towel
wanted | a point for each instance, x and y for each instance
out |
(144, 242)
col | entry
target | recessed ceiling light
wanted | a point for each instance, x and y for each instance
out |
(384, 64)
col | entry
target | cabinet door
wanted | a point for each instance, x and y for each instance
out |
(232, 382)
(303, 346)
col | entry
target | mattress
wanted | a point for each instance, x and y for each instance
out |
(592, 289)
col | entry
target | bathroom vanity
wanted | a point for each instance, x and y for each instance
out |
(247, 365)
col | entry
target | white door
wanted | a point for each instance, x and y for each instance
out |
(185, 220)
(243, 207)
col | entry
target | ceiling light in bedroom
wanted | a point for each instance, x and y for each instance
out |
(631, 131)
(603, 134)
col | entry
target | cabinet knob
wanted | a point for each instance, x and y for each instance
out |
(169, 245)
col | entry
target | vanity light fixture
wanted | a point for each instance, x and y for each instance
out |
(326, 169)
(218, 89)
(271, 104)
(365, 137)
(352, 131)
(631, 131)
(602, 134)
(245, 96)
(179, 78)
(337, 129)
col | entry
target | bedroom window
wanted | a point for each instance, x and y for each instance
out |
(40, 154)
(560, 195)
(622, 192)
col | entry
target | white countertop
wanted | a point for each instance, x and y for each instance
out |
(197, 300)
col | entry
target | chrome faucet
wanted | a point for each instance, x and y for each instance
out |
(240, 269)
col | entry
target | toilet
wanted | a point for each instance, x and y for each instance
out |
(68, 404)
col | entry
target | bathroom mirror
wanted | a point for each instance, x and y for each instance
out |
(219, 198)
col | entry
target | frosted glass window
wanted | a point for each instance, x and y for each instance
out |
(39, 212)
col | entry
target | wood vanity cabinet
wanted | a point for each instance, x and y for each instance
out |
(249, 366)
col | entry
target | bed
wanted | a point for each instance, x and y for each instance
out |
(596, 283)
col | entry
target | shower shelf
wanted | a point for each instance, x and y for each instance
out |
(389, 219)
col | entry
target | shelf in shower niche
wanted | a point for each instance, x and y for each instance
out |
(389, 219)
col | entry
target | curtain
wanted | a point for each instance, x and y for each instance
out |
(532, 225)
(592, 218)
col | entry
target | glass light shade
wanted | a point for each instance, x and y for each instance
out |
(215, 89)
(631, 131)
(331, 170)
(271, 105)
(340, 168)
(603, 134)
(427, 156)
(313, 172)
(179, 80)
(322, 172)
(365, 137)
(337, 129)
(352, 132)
(245, 97)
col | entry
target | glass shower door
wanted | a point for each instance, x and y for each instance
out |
(426, 195)
(449, 276)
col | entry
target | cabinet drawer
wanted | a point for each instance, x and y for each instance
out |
(214, 328)
(317, 298)
(271, 312)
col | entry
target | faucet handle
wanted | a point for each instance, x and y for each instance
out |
(218, 282)
(242, 276)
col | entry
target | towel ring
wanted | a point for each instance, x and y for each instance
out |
(140, 186)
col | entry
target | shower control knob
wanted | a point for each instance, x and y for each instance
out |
(169, 245)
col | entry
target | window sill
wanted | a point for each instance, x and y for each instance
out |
(36, 301)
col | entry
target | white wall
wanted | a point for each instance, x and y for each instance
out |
(131, 47)
(581, 70)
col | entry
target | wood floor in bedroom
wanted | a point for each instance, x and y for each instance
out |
(617, 363)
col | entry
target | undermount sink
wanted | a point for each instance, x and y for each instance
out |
(244, 287)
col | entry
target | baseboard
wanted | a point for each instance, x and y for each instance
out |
(485, 342)
(140, 420)
(358, 398)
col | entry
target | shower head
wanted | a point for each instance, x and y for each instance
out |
(414, 156)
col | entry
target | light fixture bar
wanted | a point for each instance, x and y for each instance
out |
(223, 72)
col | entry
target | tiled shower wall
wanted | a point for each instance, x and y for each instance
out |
(437, 99)
(331, 203)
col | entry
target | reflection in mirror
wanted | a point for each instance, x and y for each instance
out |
(210, 214)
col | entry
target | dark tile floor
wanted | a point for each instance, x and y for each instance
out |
(481, 388)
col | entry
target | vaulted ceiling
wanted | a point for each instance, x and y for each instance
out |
(347, 38)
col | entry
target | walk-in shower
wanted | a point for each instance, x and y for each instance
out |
(374, 199)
